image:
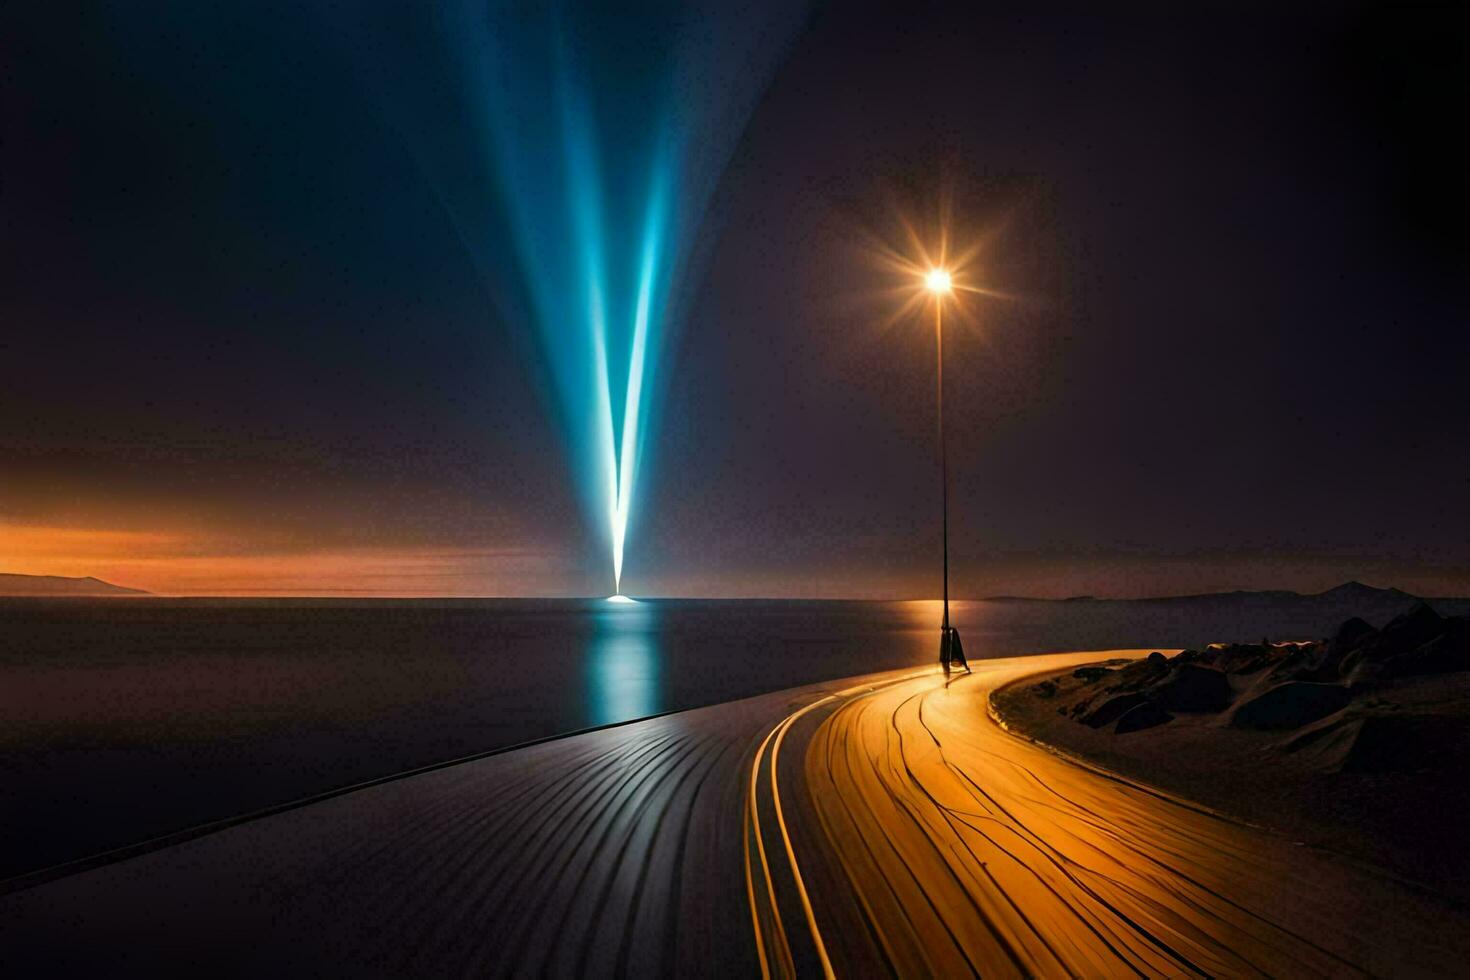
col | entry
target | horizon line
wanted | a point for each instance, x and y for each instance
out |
(348, 594)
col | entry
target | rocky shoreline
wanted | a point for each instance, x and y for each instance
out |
(1358, 742)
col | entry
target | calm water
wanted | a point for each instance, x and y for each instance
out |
(122, 720)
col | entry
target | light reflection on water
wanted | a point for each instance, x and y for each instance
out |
(623, 664)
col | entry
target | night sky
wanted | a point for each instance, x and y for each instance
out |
(245, 346)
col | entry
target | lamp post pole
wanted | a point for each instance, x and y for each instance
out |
(943, 462)
(939, 283)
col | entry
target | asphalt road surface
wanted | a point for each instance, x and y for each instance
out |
(873, 826)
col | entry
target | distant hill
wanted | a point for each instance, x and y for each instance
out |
(11, 584)
(1280, 611)
(1358, 592)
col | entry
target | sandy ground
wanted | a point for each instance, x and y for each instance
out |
(862, 827)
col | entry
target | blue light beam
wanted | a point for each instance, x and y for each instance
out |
(632, 421)
(593, 140)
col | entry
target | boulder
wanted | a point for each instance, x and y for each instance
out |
(1319, 662)
(1325, 744)
(1349, 635)
(1402, 635)
(1090, 674)
(1241, 658)
(1141, 673)
(1290, 705)
(1300, 663)
(1113, 708)
(1395, 650)
(1446, 653)
(1141, 716)
(1386, 743)
(1193, 688)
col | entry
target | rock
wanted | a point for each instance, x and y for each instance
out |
(1326, 743)
(1193, 688)
(1046, 689)
(1316, 662)
(1141, 673)
(1350, 634)
(1298, 662)
(1446, 653)
(1090, 674)
(1386, 743)
(1374, 658)
(1290, 705)
(1404, 634)
(1113, 708)
(1141, 716)
(1156, 658)
(1240, 658)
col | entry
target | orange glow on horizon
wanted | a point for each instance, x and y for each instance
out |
(175, 563)
(265, 564)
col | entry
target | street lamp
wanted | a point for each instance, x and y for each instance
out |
(939, 282)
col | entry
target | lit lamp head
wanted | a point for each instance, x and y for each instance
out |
(937, 281)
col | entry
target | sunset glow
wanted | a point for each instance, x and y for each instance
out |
(203, 564)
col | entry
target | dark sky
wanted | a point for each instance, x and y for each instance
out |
(243, 346)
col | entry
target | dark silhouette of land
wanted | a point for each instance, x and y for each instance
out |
(1349, 599)
(26, 585)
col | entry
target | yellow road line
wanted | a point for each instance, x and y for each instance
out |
(760, 945)
(806, 902)
(754, 823)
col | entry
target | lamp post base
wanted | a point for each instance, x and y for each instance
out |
(951, 650)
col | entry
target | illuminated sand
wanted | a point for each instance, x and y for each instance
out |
(892, 821)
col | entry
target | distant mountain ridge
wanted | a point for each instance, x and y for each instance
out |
(12, 584)
(1353, 591)
(1304, 614)
(1357, 590)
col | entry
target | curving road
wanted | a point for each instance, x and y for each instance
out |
(966, 849)
(881, 826)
